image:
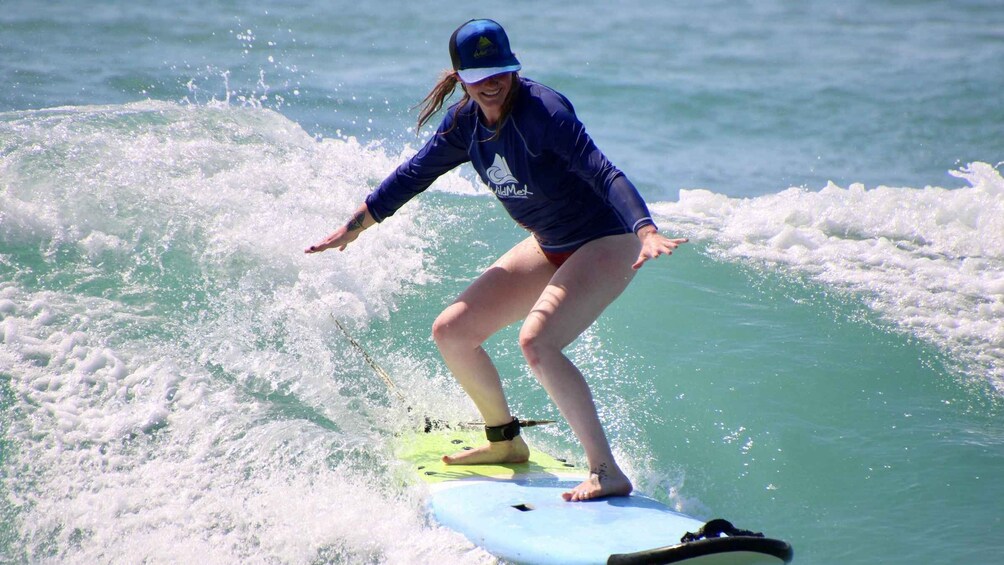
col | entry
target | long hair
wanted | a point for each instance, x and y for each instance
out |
(444, 89)
(434, 100)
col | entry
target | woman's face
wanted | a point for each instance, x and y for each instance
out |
(490, 94)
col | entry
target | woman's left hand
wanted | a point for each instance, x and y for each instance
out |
(654, 244)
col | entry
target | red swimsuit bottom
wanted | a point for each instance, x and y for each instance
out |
(557, 258)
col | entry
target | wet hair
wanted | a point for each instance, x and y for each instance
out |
(444, 89)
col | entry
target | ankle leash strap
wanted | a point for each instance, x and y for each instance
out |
(505, 432)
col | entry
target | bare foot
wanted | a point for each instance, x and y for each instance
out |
(515, 451)
(601, 482)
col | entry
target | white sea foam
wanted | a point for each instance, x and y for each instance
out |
(223, 483)
(175, 394)
(930, 260)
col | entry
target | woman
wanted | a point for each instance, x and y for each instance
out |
(590, 229)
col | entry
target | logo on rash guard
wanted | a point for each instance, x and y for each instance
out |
(502, 182)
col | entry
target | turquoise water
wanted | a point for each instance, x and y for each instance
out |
(823, 363)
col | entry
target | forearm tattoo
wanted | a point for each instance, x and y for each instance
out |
(356, 223)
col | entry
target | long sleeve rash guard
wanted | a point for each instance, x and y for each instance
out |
(542, 166)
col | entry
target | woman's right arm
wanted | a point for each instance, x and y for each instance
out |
(444, 151)
(346, 234)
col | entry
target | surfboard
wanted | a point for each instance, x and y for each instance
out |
(516, 513)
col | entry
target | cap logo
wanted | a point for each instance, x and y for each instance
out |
(485, 48)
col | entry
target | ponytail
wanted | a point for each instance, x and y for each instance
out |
(433, 101)
(448, 81)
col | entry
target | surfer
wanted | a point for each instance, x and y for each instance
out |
(590, 232)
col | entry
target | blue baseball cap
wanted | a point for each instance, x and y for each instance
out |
(480, 49)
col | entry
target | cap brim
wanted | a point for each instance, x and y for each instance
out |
(477, 75)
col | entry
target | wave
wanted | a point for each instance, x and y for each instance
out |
(172, 384)
(930, 260)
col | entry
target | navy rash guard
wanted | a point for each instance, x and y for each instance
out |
(542, 166)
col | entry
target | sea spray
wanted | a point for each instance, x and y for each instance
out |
(176, 389)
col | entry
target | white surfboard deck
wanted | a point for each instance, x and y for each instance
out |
(516, 512)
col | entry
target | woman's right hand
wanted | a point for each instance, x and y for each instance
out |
(346, 234)
(338, 238)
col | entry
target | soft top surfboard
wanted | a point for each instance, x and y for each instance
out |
(516, 513)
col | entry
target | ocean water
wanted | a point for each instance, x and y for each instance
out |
(824, 362)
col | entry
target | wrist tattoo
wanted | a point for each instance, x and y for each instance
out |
(356, 223)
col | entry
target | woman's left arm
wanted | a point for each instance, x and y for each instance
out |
(613, 186)
(568, 139)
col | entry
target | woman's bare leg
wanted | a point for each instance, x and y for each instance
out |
(501, 296)
(575, 297)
